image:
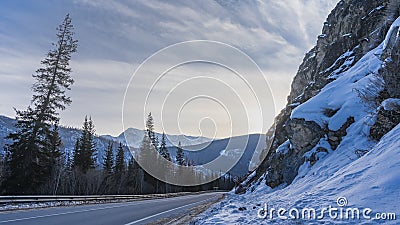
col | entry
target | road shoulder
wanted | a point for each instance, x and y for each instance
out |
(188, 215)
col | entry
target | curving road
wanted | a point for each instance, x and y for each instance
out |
(124, 213)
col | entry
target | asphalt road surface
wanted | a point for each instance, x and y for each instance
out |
(124, 213)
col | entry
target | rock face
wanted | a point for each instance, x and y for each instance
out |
(391, 57)
(352, 29)
(303, 135)
(389, 117)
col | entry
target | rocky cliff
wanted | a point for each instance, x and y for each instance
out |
(352, 31)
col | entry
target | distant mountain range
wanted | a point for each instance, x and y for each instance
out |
(133, 137)
(200, 150)
(229, 149)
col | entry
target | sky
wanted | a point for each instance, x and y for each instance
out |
(115, 63)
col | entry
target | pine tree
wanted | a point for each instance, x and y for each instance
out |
(150, 126)
(85, 148)
(54, 161)
(119, 169)
(108, 163)
(150, 131)
(29, 153)
(120, 162)
(76, 154)
(68, 163)
(180, 156)
(145, 151)
(131, 183)
(163, 148)
(53, 149)
(146, 157)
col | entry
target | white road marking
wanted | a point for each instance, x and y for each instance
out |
(102, 208)
(64, 213)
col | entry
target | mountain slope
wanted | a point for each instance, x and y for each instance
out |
(336, 53)
(327, 143)
(230, 148)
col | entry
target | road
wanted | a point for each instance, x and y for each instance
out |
(124, 213)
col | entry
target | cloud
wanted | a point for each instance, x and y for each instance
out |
(116, 36)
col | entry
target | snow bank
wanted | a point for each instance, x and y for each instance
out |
(370, 182)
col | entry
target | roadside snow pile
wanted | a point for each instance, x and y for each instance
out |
(19, 206)
(33, 205)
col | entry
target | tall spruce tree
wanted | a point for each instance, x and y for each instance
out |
(150, 131)
(146, 157)
(132, 183)
(145, 151)
(119, 169)
(53, 149)
(120, 161)
(180, 156)
(163, 148)
(54, 160)
(108, 166)
(108, 162)
(68, 164)
(85, 147)
(29, 151)
(76, 153)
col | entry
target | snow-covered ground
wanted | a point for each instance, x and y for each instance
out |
(341, 184)
(369, 183)
(24, 206)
